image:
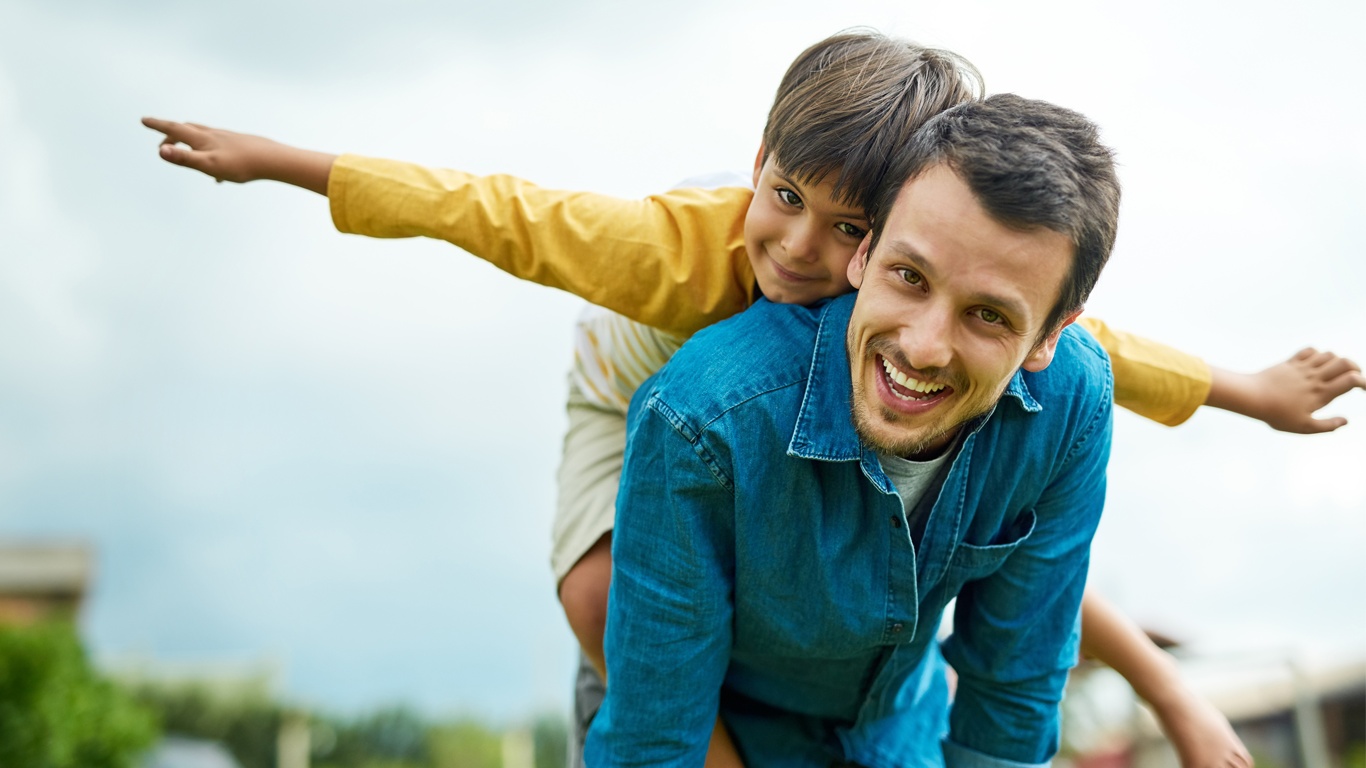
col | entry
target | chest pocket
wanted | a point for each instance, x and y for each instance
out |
(972, 561)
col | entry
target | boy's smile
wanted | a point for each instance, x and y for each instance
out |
(799, 239)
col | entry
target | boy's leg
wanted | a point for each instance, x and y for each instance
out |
(581, 555)
(589, 475)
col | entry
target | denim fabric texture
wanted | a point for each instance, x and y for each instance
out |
(765, 568)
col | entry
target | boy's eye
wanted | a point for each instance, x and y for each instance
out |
(910, 276)
(850, 230)
(789, 197)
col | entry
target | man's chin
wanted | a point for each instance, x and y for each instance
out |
(920, 444)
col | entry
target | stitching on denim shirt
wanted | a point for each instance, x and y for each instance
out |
(693, 436)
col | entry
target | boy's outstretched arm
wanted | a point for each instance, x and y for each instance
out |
(1201, 734)
(241, 157)
(1286, 395)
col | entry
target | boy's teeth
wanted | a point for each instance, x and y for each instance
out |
(906, 381)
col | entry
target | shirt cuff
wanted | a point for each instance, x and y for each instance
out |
(956, 756)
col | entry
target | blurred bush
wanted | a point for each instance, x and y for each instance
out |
(56, 712)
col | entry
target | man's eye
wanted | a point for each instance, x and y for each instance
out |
(850, 229)
(910, 276)
(789, 197)
(990, 316)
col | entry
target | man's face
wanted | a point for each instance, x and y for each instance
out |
(950, 305)
(799, 240)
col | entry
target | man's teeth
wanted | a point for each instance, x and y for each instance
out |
(909, 383)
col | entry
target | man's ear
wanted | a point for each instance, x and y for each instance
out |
(758, 164)
(859, 263)
(1042, 354)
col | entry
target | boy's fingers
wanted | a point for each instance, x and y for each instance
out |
(1304, 354)
(1336, 367)
(1319, 359)
(171, 152)
(177, 155)
(1319, 426)
(171, 128)
(1346, 382)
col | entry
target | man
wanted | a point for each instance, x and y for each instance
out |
(807, 488)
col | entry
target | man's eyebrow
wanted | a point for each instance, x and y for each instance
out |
(1011, 308)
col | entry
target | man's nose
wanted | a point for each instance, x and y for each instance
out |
(925, 337)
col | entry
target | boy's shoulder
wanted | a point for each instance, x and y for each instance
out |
(766, 348)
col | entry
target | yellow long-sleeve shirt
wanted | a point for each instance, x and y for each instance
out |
(674, 261)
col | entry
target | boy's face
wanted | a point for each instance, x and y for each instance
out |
(800, 241)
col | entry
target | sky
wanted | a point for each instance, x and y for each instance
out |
(337, 454)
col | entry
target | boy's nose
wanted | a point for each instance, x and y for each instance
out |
(802, 244)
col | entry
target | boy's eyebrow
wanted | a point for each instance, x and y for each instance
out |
(1011, 308)
(846, 213)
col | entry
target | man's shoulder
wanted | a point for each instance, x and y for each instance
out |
(762, 350)
(1074, 393)
(1082, 359)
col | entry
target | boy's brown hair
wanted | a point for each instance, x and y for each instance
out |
(850, 101)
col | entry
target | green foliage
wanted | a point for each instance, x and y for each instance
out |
(465, 744)
(551, 737)
(391, 738)
(1356, 756)
(394, 737)
(246, 726)
(56, 712)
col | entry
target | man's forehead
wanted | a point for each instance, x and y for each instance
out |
(938, 225)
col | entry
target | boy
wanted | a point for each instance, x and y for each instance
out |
(697, 256)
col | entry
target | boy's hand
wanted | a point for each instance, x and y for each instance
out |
(1286, 396)
(240, 157)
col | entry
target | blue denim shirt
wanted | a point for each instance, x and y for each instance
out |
(764, 567)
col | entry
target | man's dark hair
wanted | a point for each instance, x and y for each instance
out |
(1029, 164)
(848, 102)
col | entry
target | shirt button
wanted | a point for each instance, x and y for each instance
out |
(896, 628)
(896, 521)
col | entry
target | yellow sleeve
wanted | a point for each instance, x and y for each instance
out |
(675, 261)
(1151, 379)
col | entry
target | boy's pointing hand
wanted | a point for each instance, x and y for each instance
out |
(240, 157)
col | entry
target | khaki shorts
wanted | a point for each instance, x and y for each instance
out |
(590, 471)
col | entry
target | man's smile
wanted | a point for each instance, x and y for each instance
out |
(910, 394)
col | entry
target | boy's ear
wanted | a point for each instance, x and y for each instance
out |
(758, 164)
(1042, 354)
(859, 263)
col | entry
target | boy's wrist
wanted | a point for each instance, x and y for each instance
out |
(300, 167)
(1234, 392)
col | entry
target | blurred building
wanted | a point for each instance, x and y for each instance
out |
(1290, 710)
(42, 581)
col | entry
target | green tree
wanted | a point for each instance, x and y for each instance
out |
(245, 725)
(56, 712)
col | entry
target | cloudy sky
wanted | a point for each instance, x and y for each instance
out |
(337, 454)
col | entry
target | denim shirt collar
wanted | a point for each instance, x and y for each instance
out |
(825, 424)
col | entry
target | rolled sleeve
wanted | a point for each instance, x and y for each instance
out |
(670, 607)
